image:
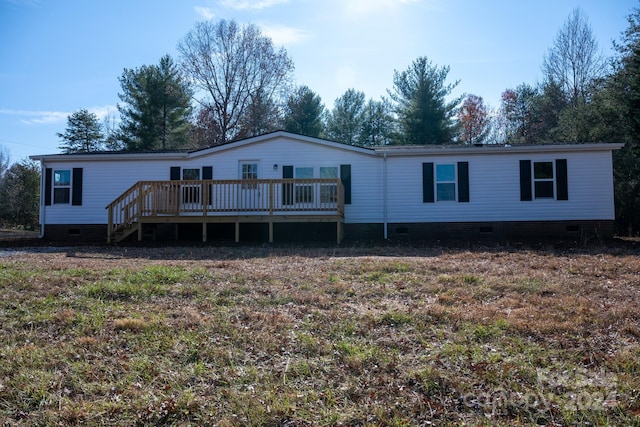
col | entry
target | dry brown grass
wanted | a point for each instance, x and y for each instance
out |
(314, 336)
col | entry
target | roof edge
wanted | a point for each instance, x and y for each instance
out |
(494, 149)
(281, 134)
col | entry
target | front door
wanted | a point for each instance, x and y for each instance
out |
(249, 192)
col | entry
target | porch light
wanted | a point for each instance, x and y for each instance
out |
(275, 167)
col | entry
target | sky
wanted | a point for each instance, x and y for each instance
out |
(60, 56)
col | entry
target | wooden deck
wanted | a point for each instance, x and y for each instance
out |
(226, 201)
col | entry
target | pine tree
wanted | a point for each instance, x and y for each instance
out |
(425, 117)
(156, 107)
(83, 133)
(303, 113)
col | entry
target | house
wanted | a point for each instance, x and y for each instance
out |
(281, 185)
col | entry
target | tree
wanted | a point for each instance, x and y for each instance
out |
(232, 64)
(474, 120)
(517, 115)
(378, 124)
(547, 107)
(4, 161)
(344, 123)
(574, 61)
(19, 194)
(205, 130)
(156, 107)
(623, 89)
(420, 92)
(83, 133)
(110, 126)
(262, 116)
(303, 113)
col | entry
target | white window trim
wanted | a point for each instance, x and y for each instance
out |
(54, 187)
(436, 182)
(552, 179)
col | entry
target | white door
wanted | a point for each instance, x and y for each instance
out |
(249, 192)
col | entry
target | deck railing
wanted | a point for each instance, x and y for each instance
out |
(226, 197)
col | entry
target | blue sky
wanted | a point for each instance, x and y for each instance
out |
(58, 56)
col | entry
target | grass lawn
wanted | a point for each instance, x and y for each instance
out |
(261, 336)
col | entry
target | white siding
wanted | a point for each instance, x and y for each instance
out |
(494, 187)
(105, 180)
(494, 190)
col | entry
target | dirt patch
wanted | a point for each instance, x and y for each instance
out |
(10, 234)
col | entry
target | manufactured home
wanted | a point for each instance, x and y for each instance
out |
(282, 186)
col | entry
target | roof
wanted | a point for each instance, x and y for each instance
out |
(391, 150)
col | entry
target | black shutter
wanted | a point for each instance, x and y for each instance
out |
(287, 189)
(525, 180)
(48, 184)
(345, 177)
(175, 173)
(428, 194)
(76, 188)
(562, 184)
(463, 181)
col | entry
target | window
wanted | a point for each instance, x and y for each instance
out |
(543, 182)
(62, 186)
(190, 193)
(304, 192)
(446, 182)
(329, 192)
(190, 174)
(249, 171)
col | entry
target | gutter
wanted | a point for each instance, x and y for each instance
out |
(384, 194)
(42, 207)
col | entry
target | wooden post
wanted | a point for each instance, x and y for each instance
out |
(270, 231)
(271, 193)
(237, 231)
(110, 224)
(205, 202)
(138, 214)
(339, 231)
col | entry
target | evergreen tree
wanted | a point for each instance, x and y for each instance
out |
(345, 121)
(303, 113)
(156, 107)
(83, 133)
(420, 92)
(378, 124)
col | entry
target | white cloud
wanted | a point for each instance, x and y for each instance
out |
(37, 117)
(283, 35)
(206, 12)
(53, 117)
(250, 4)
(104, 111)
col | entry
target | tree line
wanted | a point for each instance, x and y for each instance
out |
(230, 82)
